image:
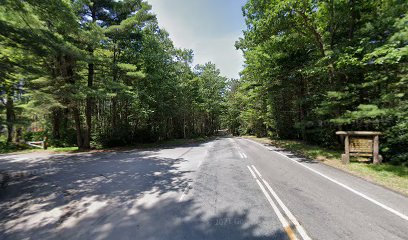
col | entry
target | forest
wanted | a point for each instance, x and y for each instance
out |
(99, 73)
(316, 67)
(103, 73)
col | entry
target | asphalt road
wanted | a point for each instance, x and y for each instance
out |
(229, 188)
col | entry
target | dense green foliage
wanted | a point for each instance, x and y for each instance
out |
(99, 72)
(314, 67)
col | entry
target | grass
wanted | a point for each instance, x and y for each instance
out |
(22, 148)
(390, 176)
(62, 149)
(11, 148)
(19, 149)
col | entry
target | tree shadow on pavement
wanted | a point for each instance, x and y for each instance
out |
(294, 155)
(169, 219)
(57, 186)
(115, 195)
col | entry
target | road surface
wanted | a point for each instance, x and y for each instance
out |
(229, 188)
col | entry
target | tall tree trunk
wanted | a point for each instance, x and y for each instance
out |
(68, 63)
(77, 119)
(114, 114)
(88, 108)
(184, 126)
(301, 100)
(56, 123)
(10, 117)
(114, 99)
(19, 135)
(89, 99)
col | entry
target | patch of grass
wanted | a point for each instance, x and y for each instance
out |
(24, 148)
(307, 150)
(160, 144)
(63, 149)
(388, 175)
(10, 148)
(394, 177)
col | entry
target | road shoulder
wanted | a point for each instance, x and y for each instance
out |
(383, 175)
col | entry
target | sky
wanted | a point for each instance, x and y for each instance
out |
(208, 27)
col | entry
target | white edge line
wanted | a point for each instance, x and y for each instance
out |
(252, 172)
(401, 215)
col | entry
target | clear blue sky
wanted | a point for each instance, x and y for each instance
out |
(209, 27)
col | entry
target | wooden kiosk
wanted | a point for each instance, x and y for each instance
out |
(361, 143)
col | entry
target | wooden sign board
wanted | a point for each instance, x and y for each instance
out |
(361, 145)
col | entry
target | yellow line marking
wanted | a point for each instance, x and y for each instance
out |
(290, 233)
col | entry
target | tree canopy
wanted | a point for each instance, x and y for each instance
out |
(100, 73)
(103, 73)
(314, 67)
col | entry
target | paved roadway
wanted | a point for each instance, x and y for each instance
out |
(229, 188)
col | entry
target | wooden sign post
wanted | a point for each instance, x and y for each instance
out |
(361, 143)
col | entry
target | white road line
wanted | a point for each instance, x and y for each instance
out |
(241, 154)
(291, 217)
(257, 172)
(281, 218)
(252, 172)
(288, 213)
(245, 156)
(401, 215)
